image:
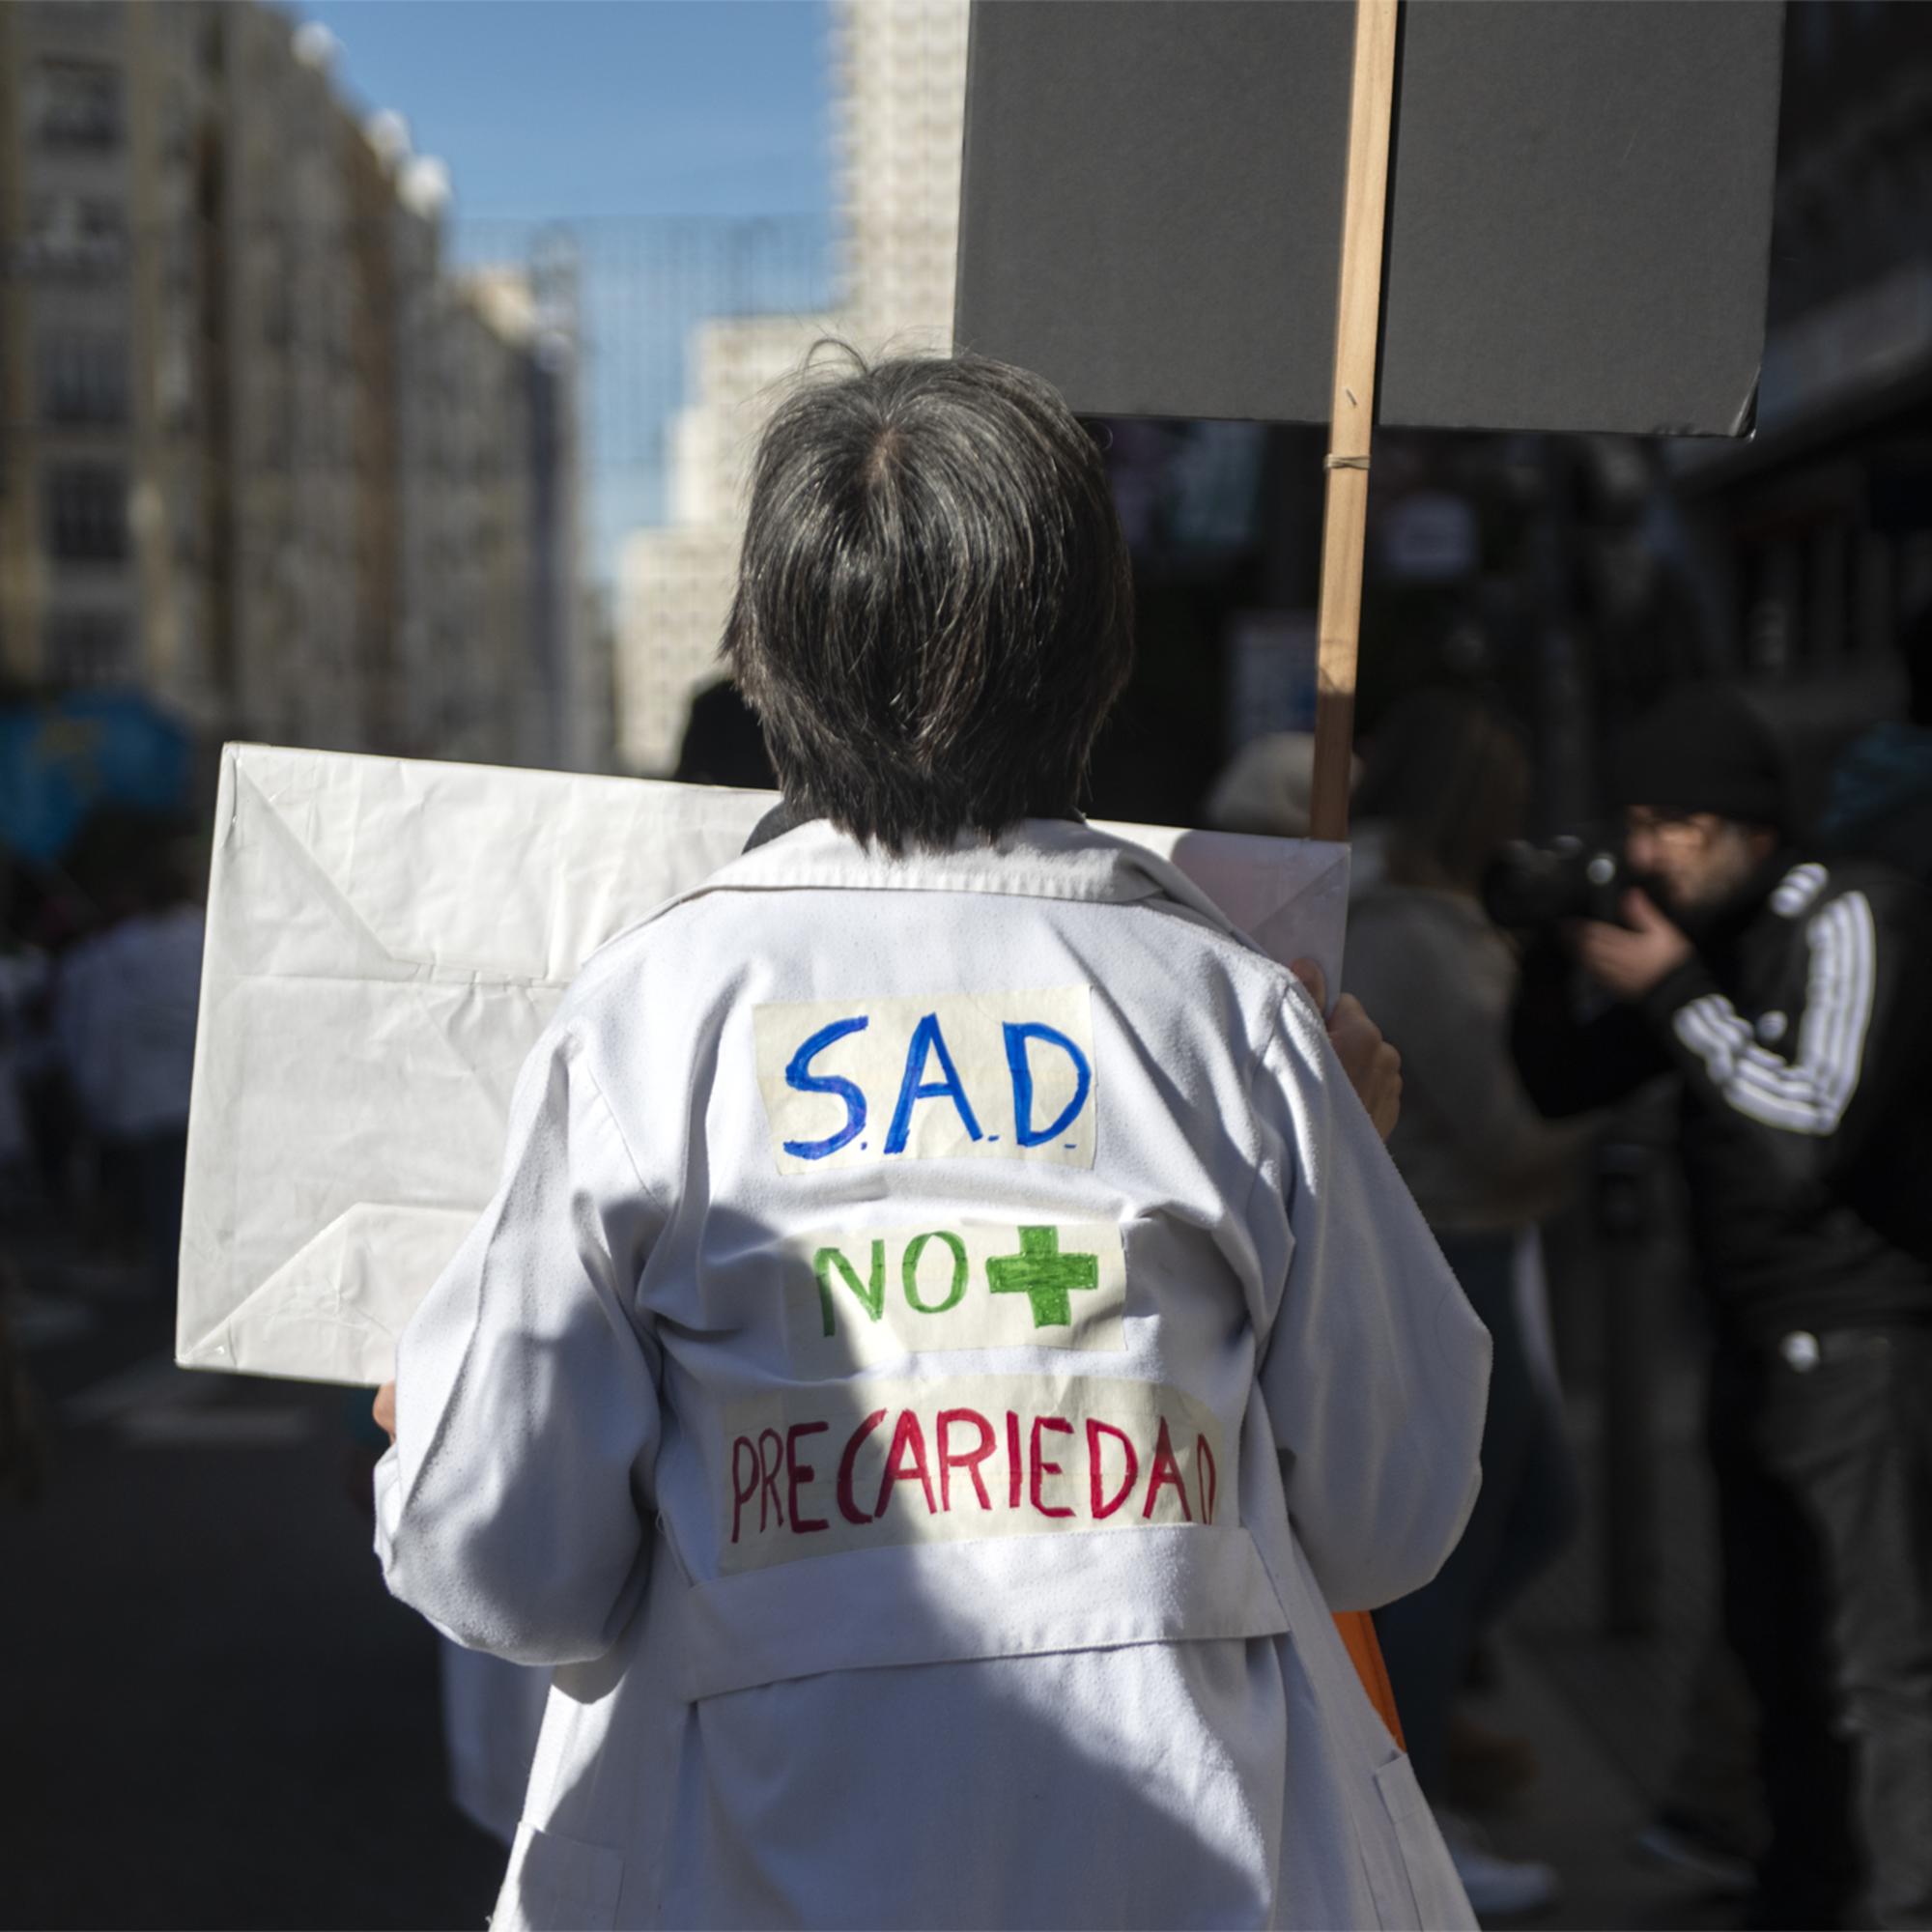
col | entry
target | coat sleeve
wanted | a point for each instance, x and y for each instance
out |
(512, 1510)
(1812, 1098)
(1376, 1370)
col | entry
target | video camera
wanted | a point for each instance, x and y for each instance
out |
(1528, 888)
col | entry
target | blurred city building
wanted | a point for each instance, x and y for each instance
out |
(270, 459)
(898, 82)
(279, 454)
(1818, 530)
(674, 581)
(1574, 577)
(899, 120)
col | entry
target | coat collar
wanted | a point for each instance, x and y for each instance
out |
(1039, 858)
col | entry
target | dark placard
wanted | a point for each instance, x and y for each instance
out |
(1579, 230)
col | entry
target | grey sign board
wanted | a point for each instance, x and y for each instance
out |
(1578, 224)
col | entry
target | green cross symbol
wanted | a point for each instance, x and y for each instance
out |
(1041, 1273)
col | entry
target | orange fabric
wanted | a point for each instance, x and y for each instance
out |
(1358, 1633)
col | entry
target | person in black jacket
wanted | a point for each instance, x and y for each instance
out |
(1790, 998)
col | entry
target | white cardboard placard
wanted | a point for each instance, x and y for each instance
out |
(387, 938)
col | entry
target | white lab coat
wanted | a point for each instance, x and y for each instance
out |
(946, 1338)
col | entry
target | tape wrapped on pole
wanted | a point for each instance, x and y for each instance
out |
(1343, 531)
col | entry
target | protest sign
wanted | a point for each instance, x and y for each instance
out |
(1578, 209)
(1575, 199)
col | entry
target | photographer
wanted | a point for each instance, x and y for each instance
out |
(1782, 993)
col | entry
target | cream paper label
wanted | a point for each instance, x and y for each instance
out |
(865, 1295)
(814, 1470)
(1010, 1075)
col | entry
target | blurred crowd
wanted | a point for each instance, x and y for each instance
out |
(99, 980)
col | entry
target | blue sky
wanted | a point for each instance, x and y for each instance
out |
(605, 107)
(616, 114)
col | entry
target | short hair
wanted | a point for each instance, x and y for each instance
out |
(1451, 779)
(934, 609)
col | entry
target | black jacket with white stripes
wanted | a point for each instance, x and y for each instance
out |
(1801, 1028)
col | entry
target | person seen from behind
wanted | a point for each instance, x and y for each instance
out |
(947, 1335)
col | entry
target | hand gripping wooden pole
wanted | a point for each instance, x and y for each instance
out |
(1351, 414)
(1344, 527)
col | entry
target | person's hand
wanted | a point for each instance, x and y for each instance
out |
(385, 1410)
(1373, 1065)
(1628, 962)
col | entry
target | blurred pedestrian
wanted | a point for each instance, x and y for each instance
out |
(814, 1664)
(47, 923)
(1447, 784)
(1266, 787)
(1788, 997)
(22, 982)
(102, 1185)
(22, 1435)
(1880, 801)
(142, 990)
(1708, 1823)
(721, 743)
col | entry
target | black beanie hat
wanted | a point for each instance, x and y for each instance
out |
(1703, 749)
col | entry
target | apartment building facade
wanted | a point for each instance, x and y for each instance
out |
(267, 457)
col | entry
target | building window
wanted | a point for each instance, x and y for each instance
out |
(87, 648)
(87, 513)
(173, 380)
(76, 105)
(176, 125)
(70, 235)
(72, 20)
(83, 378)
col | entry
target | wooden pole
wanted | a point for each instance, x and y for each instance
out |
(1351, 414)
(1351, 419)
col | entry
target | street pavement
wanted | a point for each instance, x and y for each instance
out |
(1580, 1817)
(215, 1716)
(1606, 1712)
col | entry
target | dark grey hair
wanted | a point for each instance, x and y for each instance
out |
(934, 610)
(1450, 778)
